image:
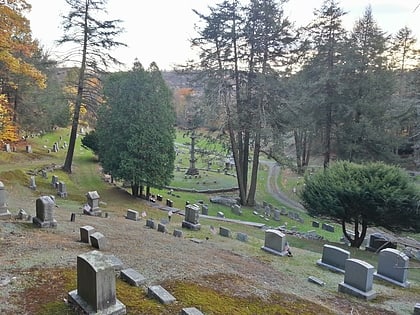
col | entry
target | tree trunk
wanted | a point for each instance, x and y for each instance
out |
(254, 173)
(135, 189)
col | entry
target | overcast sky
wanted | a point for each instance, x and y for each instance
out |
(159, 30)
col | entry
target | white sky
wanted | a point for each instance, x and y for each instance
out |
(159, 30)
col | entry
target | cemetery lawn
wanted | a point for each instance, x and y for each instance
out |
(215, 274)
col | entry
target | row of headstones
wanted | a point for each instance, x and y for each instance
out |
(8, 148)
(59, 185)
(358, 274)
(325, 226)
(96, 287)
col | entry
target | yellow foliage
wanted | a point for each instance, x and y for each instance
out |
(8, 130)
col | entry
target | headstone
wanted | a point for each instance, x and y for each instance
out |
(275, 242)
(242, 237)
(150, 223)
(159, 197)
(225, 232)
(98, 240)
(236, 209)
(328, 227)
(159, 293)
(316, 281)
(393, 267)
(22, 215)
(358, 279)
(132, 277)
(62, 189)
(132, 215)
(204, 209)
(54, 181)
(220, 214)
(334, 258)
(417, 309)
(276, 215)
(92, 203)
(96, 286)
(177, 233)
(315, 224)
(7, 147)
(191, 220)
(161, 228)
(85, 233)
(190, 311)
(28, 149)
(32, 183)
(45, 212)
(4, 212)
(377, 242)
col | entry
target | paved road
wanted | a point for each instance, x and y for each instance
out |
(273, 188)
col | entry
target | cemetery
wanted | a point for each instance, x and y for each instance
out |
(122, 255)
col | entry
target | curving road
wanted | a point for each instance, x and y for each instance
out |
(273, 188)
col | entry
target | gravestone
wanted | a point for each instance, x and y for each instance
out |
(358, 279)
(4, 212)
(32, 183)
(204, 209)
(220, 214)
(132, 277)
(225, 232)
(177, 233)
(54, 181)
(334, 258)
(150, 223)
(159, 293)
(96, 287)
(98, 240)
(132, 215)
(28, 149)
(7, 147)
(45, 212)
(161, 228)
(315, 224)
(276, 215)
(242, 237)
(236, 209)
(275, 242)
(393, 267)
(417, 309)
(85, 233)
(62, 189)
(191, 220)
(328, 227)
(377, 242)
(190, 311)
(92, 208)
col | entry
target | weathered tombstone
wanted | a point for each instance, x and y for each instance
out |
(328, 227)
(92, 198)
(45, 212)
(7, 147)
(132, 277)
(334, 258)
(85, 233)
(62, 189)
(54, 181)
(159, 197)
(150, 223)
(393, 267)
(159, 293)
(191, 220)
(32, 183)
(242, 237)
(417, 309)
(315, 224)
(275, 242)
(4, 212)
(98, 240)
(177, 233)
(28, 149)
(96, 287)
(132, 215)
(55, 147)
(161, 228)
(225, 232)
(190, 311)
(358, 279)
(220, 214)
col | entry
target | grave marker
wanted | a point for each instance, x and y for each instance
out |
(4, 212)
(62, 189)
(191, 311)
(275, 242)
(334, 258)
(191, 220)
(225, 232)
(132, 215)
(92, 208)
(132, 277)
(393, 267)
(96, 288)
(159, 293)
(45, 212)
(85, 233)
(98, 240)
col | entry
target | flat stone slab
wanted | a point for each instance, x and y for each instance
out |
(117, 309)
(159, 293)
(348, 289)
(44, 224)
(316, 281)
(132, 277)
(196, 240)
(191, 311)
